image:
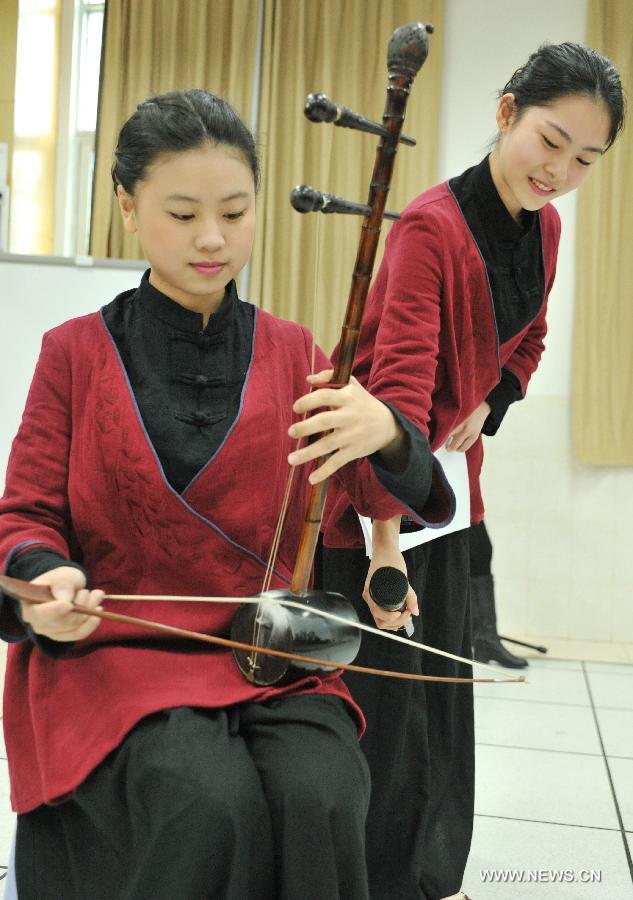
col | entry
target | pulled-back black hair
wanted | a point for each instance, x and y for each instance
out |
(558, 70)
(175, 122)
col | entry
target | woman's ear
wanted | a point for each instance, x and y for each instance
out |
(506, 111)
(128, 209)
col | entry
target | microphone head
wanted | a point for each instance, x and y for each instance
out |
(388, 588)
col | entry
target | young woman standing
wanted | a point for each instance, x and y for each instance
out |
(453, 331)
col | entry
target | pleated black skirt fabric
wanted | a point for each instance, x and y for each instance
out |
(420, 736)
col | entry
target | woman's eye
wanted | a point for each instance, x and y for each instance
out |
(583, 162)
(181, 217)
(550, 144)
(234, 216)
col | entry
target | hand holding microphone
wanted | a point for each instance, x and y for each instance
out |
(389, 589)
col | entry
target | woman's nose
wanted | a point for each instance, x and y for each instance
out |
(210, 236)
(556, 170)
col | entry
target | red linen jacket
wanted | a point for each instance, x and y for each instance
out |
(429, 341)
(83, 479)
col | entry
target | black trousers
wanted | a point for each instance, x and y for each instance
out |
(480, 551)
(420, 736)
(257, 802)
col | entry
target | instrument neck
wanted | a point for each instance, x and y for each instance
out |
(398, 89)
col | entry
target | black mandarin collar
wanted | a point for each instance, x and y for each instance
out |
(159, 306)
(187, 381)
(511, 251)
(499, 224)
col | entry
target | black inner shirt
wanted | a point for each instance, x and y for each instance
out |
(187, 379)
(512, 252)
(513, 256)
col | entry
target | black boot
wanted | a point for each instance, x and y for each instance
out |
(486, 644)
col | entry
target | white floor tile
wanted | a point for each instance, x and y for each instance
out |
(616, 727)
(622, 775)
(560, 788)
(539, 851)
(537, 660)
(544, 683)
(612, 689)
(541, 726)
(547, 662)
(598, 651)
(615, 668)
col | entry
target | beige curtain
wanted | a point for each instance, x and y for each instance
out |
(155, 46)
(602, 388)
(338, 48)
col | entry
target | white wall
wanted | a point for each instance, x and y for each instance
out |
(33, 298)
(562, 561)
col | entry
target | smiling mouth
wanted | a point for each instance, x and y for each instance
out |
(542, 188)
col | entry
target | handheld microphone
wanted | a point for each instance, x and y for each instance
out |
(388, 588)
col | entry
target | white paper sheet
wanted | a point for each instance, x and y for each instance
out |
(456, 472)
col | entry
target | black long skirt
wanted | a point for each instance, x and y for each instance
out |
(420, 736)
(257, 802)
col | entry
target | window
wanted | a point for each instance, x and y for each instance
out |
(56, 97)
(33, 165)
(79, 94)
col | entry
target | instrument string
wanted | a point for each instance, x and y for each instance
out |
(281, 519)
(272, 558)
(292, 469)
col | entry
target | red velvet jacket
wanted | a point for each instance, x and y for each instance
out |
(84, 480)
(429, 341)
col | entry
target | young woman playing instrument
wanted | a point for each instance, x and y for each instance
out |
(151, 460)
(453, 330)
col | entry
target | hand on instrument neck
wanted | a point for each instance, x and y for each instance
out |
(351, 424)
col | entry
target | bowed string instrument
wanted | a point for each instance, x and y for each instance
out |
(281, 635)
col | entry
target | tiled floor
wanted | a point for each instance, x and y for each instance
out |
(554, 795)
(554, 803)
